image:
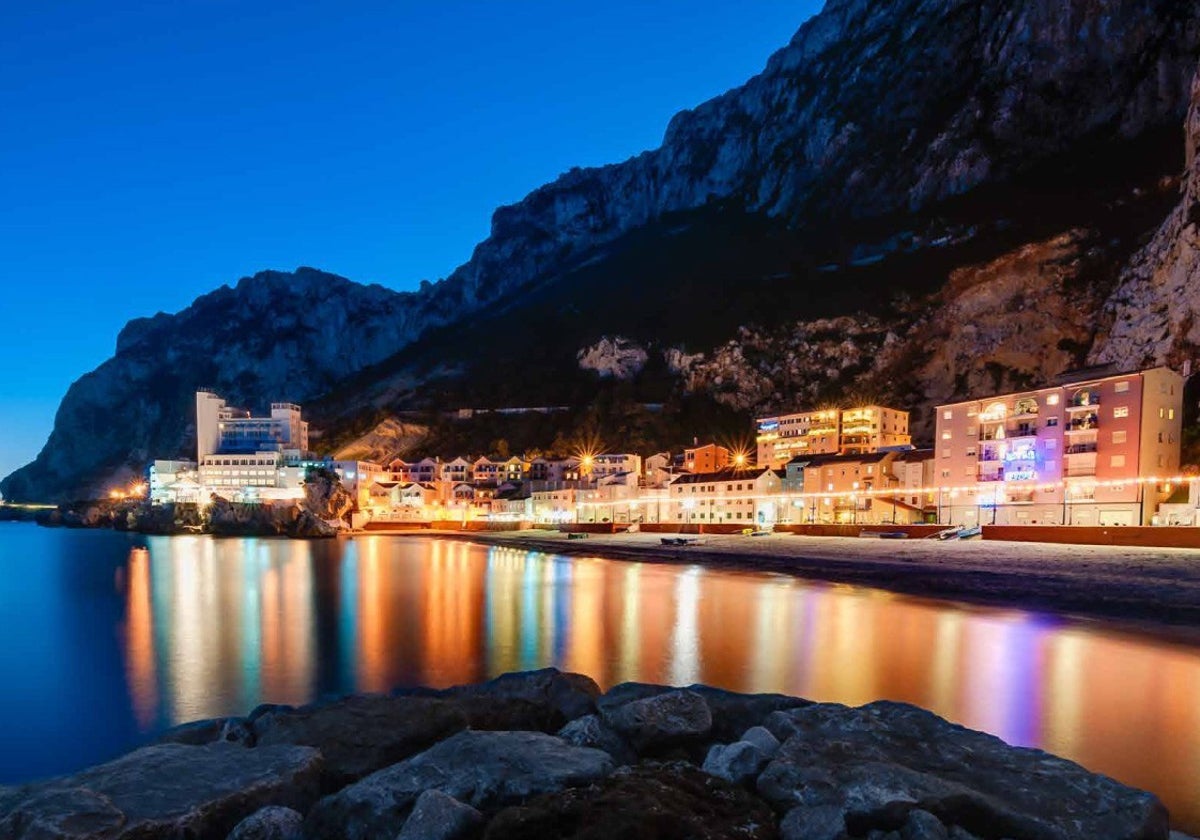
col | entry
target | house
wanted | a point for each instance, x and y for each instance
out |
(746, 497)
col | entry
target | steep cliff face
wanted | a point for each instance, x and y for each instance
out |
(1155, 312)
(932, 170)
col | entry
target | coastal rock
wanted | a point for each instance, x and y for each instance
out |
(570, 695)
(270, 823)
(817, 822)
(166, 790)
(732, 712)
(591, 731)
(486, 770)
(879, 762)
(436, 816)
(762, 738)
(359, 735)
(235, 730)
(647, 802)
(325, 497)
(739, 762)
(661, 721)
(922, 825)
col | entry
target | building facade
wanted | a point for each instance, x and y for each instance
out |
(1091, 450)
(830, 431)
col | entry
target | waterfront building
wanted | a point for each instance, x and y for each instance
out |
(745, 497)
(660, 469)
(830, 431)
(856, 488)
(602, 466)
(1096, 448)
(456, 470)
(172, 481)
(224, 430)
(553, 506)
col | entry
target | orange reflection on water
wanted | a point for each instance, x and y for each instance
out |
(215, 627)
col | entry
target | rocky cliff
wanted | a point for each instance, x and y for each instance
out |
(905, 165)
(1153, 313)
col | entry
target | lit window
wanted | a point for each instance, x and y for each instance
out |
(947, 414)
(1170, 414)
(1121, 411)
(1121, 387)
(1052, 399)
(945, 435)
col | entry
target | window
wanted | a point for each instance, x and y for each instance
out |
(1162, 412)
(945, 473)
(970, 451)
(1051, 421)
(1121, 387)
(969, 472)
(972, 430)
(1116, 461)
(946, 435)
(947, 415)
(946, 452)
(1121, 411)
(1052, 399)
(1119, 437)
(1051, 466)
(1162, 460)
(1052, 444)
(1170, 414)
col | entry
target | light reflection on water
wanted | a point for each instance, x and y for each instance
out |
(214, 627)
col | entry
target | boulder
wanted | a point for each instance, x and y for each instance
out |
(818, 822)
(879, 762)
(762, 738)
(165, 790)
(270, 823)
(232, 729)
(922, 825)
(359, 735)
(732, 713)
(661, 720)
(647, 802)
(591, 731)
(486, 770)
(436, 816)
(739, 762)
(569, 695)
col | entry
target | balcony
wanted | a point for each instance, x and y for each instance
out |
(1087, 400)
(1022, 430)
(1074, 471)
(1080, 448)
(1088, 423)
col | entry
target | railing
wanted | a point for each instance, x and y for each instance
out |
(1084, 402)
(1083, 424)
(1080, 448)
(1089, 469)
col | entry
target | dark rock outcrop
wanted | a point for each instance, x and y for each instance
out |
(359, 735)
(880, 762)
(485, 770)
(647, 802)
(168, 790)
(885, 771)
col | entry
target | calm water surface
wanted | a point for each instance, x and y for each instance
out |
(107, 638)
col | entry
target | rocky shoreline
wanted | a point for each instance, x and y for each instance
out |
(320, 514)
(546, 754)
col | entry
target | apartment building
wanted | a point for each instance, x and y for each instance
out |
(1083, 451)
(830, 431)
(706, 459)
(746, 497)
(850, 489)
(222, 429)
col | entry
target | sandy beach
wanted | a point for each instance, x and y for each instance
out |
(1150, 588)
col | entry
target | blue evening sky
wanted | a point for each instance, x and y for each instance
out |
(152, 151)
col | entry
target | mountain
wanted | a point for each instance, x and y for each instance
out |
(914, 200)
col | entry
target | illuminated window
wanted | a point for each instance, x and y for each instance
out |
(947, 415)
(1170, 414)
(1121, 411)
(945, 436)
(1052, 399)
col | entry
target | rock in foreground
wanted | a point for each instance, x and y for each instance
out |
(694, 764)
(166, 790)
